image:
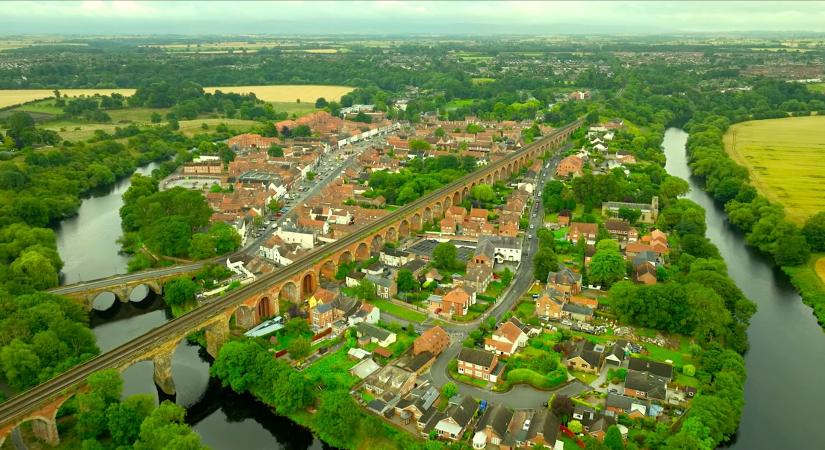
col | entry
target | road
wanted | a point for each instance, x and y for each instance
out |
(313, 188)
(520, 396)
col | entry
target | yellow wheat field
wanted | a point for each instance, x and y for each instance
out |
(273, 93)
(785, 159)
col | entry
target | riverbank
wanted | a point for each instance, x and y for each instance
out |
(785, 361)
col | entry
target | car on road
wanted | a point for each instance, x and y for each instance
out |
(526, 425)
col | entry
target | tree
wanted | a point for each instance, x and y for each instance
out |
(814, 231)
(506, 276)
(792, 250)
(20, 363)
(366, 290)
(165, 428)
(338, 415)
(546, 238)
(156, 118)
(544, 262)
(123, 418)
(483, 193)
(449, 390)
(444, 256)
(418, 145)
(562, 407)
(179, 291)
(298, 347)
(105, 388)
(575, 426)
(406, 281)
(321, 102)
(631, 215)
(275, 151)
(34, 269)
(607, 266)
(274, 205)
(689, 370)
(613, 438)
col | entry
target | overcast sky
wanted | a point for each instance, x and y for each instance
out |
(383, 17)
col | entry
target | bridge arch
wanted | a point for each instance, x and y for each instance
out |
(404, 229)
(244, 316)
(139, 293)
(104, 301)
(489, 179)
(264, 308)
(289, 291)
(427, 216)
(308, 284)
(362, 252)
(465, 194)
(448, 203)
(44, 428)
(327, 270)
(377, 243)
(415, 222)
(345, 258)
(438, 211)
(391, 234)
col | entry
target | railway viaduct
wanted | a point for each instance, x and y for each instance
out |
(250, 304)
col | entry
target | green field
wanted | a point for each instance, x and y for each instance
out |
(399, 311)
(817, 87)
(785, 160)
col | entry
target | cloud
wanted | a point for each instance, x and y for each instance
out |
(136, 17)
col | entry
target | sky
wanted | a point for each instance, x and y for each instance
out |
(407, 17)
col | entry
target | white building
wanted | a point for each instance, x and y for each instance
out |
(505, 248)
(305, 239)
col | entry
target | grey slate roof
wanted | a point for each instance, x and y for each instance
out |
(546, 423)
(565, 276)
(585, 350)
(653, 386)
(372, 331)
(496, 417)
(656, 368)
(574, 308)
(475, 356)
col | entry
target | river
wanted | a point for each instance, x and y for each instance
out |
(225, 420)
(786, 360)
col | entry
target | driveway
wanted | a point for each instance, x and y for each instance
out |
(519, 397)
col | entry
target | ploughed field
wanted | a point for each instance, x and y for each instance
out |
(275, 93)
(785, 159)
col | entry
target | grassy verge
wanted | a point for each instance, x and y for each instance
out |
(399, 311)
(810, 286)
(584, 377)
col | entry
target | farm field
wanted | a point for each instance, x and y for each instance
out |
(288, 93)
(786, 160)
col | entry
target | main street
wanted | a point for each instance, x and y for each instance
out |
(309, 188)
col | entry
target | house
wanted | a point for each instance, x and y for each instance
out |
(295, 235)
(649, 212)
(448, 225)
(478, 215)
(621, 231)
(394, 257)
(586, 357)
(415, 266)
(645, 385)
(494, 424)
(616, 404)
(366, 313)
(433, 275)
(435, 303)
(549, 305)
(385, 288)
(418, 402)
(577, 312)
(372, 333)
(580, 230)
(570, 166)
(434, 340)
(645, 273)
(478, 275)
(479, 364)
(452, 426)
(543, 430)
(322, 315)
(457, 302)
(663, 370)
(617, 354)
(354, 278)
(593, 421)
(390, 378)
(502, 248)
(506, 340)
(565, 281)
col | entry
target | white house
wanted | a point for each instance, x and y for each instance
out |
(305, 239)
(505, 248)
(507, 339)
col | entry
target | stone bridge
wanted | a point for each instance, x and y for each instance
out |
(254, 302)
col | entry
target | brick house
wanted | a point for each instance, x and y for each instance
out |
(506, 340)
(587, 231)
(479, 364)
(570, 167)
(586, 357)
(435, 340)
(457, 302)
(565, 281)
(549, 305)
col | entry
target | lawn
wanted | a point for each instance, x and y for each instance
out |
(453, 369)
(817, 87)
(333, 369)
(9, 97)
(685, 380)
(399, 311)
(298, 109)
(538, 367)
(584, 377)
(662, 354)
(42, 107)
(784, 159)
(525, 309)
(193, 127)
(482, 80)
